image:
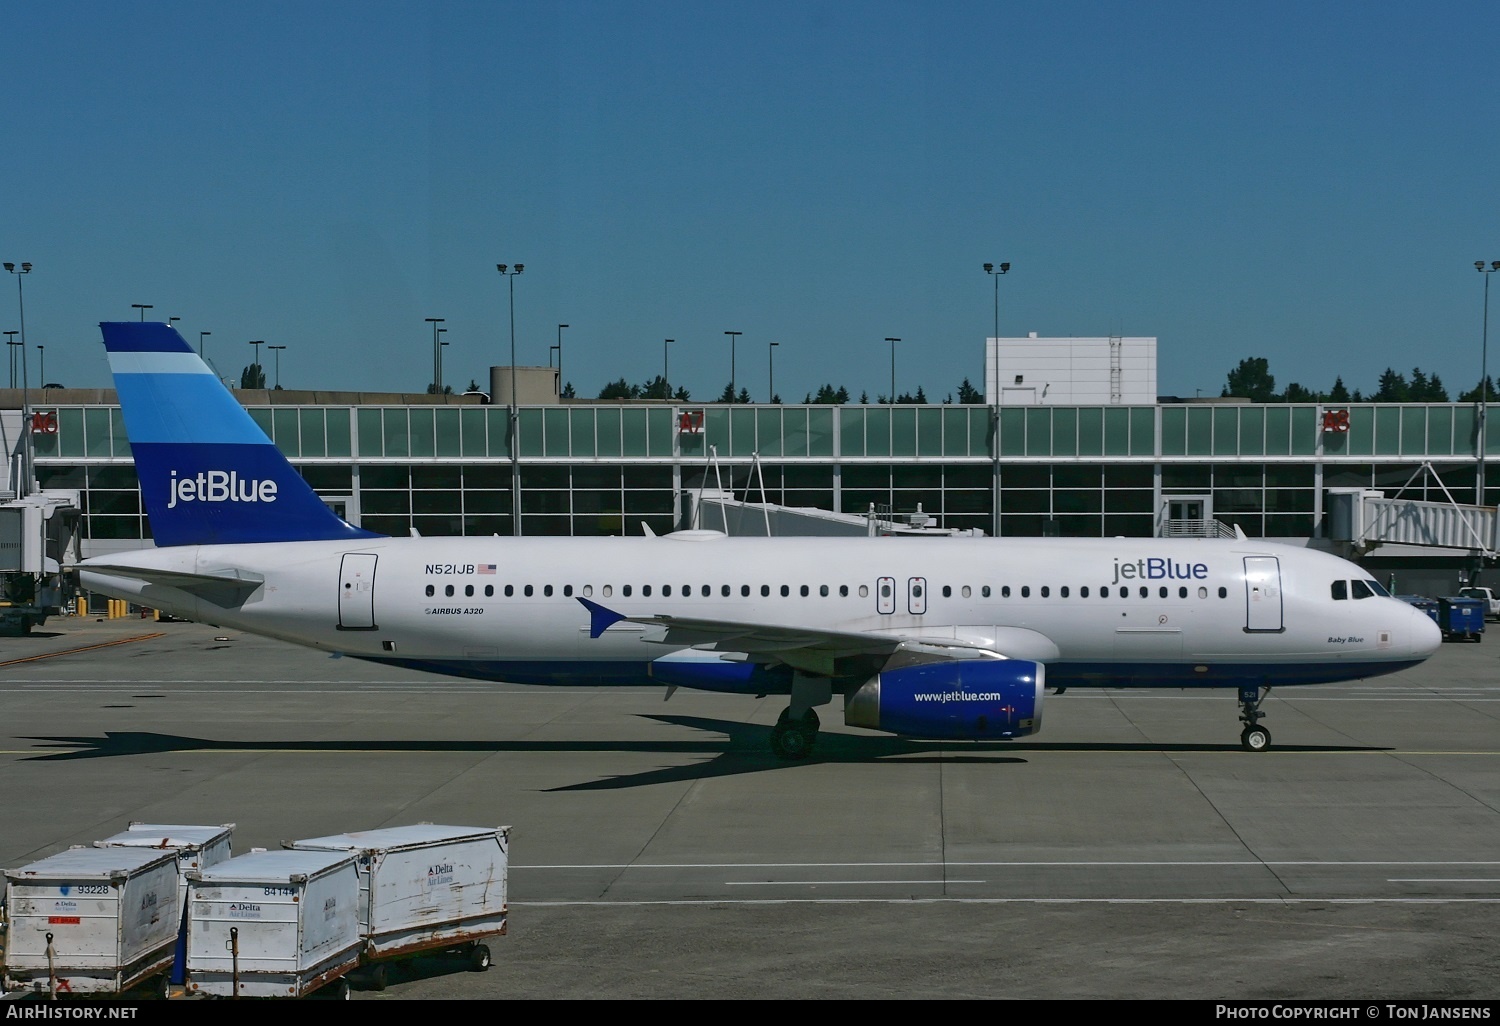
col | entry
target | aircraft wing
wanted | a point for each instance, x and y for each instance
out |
(811, 650)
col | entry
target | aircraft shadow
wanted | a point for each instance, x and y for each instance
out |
(740, 748)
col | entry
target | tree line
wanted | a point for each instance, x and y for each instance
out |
(1253, 380)
(827, 394)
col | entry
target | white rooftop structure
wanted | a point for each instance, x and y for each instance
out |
(1107, 371)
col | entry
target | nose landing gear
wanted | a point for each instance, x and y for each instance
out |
(1254, 738)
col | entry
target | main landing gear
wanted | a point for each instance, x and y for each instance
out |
(794, 737)
(1254, 738)
(796, 730)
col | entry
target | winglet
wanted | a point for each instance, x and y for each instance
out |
(600, 618)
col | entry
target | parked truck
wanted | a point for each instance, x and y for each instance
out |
(38, 538)
(1487, 597)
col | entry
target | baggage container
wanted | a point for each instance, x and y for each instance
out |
(272, 924)
(1460, 618)
(197, 847)
(90, 921)
(424, 888)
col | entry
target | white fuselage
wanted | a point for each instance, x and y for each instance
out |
(1102, 612)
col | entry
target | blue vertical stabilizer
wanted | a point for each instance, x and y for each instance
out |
(208, 473)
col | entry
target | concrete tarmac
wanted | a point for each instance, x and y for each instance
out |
(1131, 850)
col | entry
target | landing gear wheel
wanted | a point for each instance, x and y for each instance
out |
(809, 719)
(479, 958)
(792, 740)
(1255, 739)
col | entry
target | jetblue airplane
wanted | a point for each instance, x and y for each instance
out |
(954, 639)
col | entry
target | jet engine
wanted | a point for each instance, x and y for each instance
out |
(971, 700)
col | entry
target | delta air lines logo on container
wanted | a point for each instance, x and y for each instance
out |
(218, 486)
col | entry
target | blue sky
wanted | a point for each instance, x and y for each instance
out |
(1308, 182)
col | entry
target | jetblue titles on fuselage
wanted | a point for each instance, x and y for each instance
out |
(1157, 568)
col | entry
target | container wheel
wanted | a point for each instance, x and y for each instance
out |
(479, 958)
(378, 977)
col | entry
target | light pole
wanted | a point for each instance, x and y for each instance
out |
(1484, 374)
(172, 321)
(201, 336)
(437, 359)
(510, 272)
(142, 307)
(995, 272)
(23, 487)
(771, 371)
(733, 337)
(255, 373)
(442, 344)
(893, 342)
(11, 343)
(666, 380)
(41, 356)
(277, 350)
(560, 328)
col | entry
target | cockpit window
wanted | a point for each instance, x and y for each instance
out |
(1376, 587)
(1340, 590)
(1363, 589)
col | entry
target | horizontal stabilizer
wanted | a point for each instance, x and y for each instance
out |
(227, 587)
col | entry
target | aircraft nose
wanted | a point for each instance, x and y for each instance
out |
(1426, 638)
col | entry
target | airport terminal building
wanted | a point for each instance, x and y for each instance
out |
(444, 465)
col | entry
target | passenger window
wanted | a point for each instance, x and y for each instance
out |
(468, 591)
(707, 590)
(1104, 591)
(625, 590)
(1063, 591)
(1163, 592)
(547, 591)
(984, 591)
(916, 591)
(646, 590)
(567, 588)
(529, 590)
(431, 590)
(765, 591)
(823, 591)
(606, 591)
(722, 591)
(448, 590)
(1360, 589)
(1045, 591)
(1083, 592)
(510, 589)
(864, 591)
(1223, 593)
(966, 591)
(844, 591)
(804, 591)
(1203, 593)
(1026, 591)
(785, 591)
(745, 590)
(489, 591)
(1182, 592)
(588, 589)
(1145, 592)
(666, 590)
(947, 591)
(1005, 591)
(1340, 590)
(885, 591)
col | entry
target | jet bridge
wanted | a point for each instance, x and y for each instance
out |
(1365, 518)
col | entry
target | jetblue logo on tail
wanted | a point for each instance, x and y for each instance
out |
(218, 486)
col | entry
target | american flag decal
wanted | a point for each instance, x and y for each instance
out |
(486, 568)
